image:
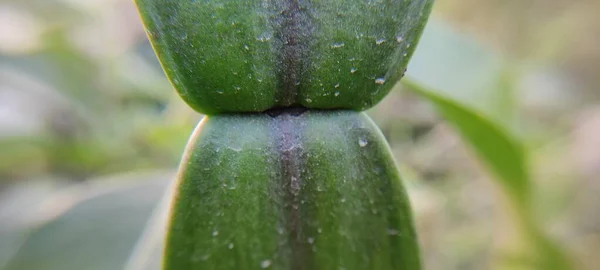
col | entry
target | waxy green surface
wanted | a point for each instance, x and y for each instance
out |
(253, 55)
(295, 190)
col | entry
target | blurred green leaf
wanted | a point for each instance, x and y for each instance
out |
(471, 89)
(18, 205)
(458, 68)
(463, 81)
(503, 154)
(99, 230)
(148, 251)
(94, 125)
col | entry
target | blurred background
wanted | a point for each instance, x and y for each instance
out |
(91, 133)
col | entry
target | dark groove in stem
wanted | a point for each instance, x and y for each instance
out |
(289, 147)
(294, 29)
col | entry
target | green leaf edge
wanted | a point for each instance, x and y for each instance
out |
(515, 181)
(549, 254)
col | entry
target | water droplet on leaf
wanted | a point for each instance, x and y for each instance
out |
(264, 37)
(337, 45)
(265, 264)
(362, 142)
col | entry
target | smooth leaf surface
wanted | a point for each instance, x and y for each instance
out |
(454, 66)
(471, 89)
(500, 151)
(98, 232)
(462, 80)
(148, 251)
(17, 213)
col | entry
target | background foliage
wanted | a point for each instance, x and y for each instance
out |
(495, 128)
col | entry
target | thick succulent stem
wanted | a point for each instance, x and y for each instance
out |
(290, 190)
(254, 55)
(287, 188)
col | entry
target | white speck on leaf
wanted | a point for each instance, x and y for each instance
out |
(362, 142)
(235, 148)
(337, 45)
(265, 264)
(295, 186)
(264, 37)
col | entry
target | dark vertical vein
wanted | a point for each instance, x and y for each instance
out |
(293, 30)
(289, 147)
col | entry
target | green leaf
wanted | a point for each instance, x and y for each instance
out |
(493, 144)
(149, 248)
(18, 205)
(97, 229)
(472, 89)
(456, 67)
(464, 82)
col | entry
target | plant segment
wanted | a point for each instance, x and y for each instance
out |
(254, 55)
(297, 190)
(285, 173)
